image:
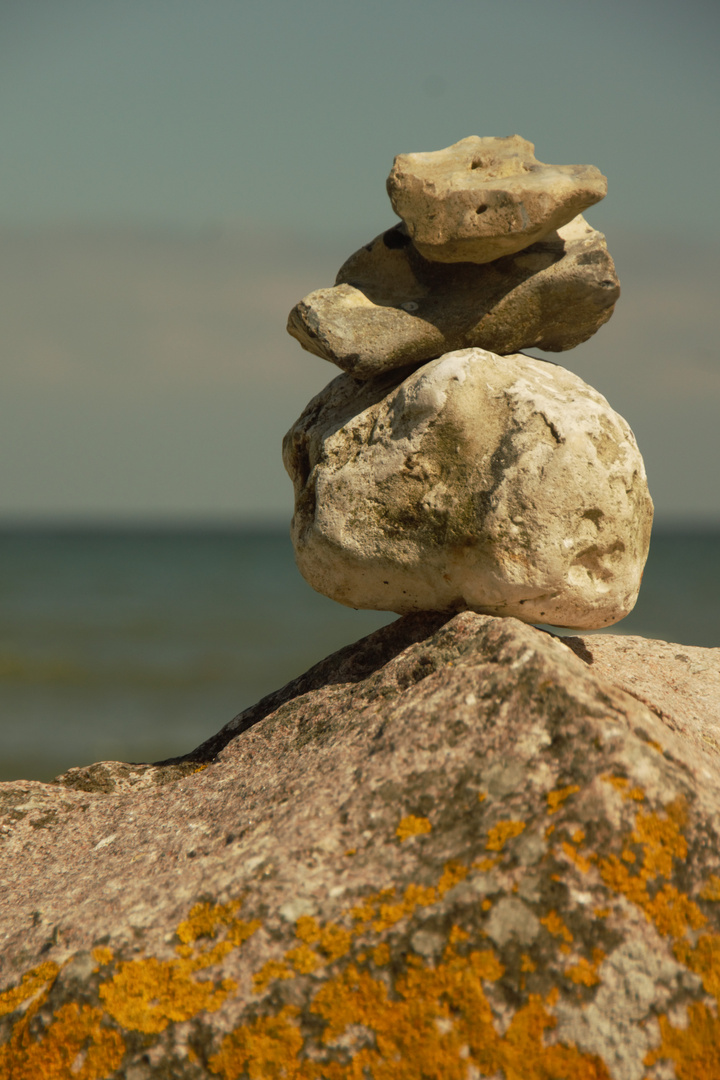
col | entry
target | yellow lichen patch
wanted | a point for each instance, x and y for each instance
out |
(578, 836)
(457, 934)
(381, 955)
(704, 960)
(695, 1050)
(239, 931)
(711, 888)
(271, 970)
(672, 912)
(204, 920)
(266, 1049)
(485, 864)
(628, 856)
(581, 861)
(482, 796)
(549, 831)
(146, 995)
(499, 835)
(621, 783)
(486, 965)
(453, 873)
(351, 851)
(554, 924)
(555, 799)
(303, 959)
(334, 941)
(618, 782)
(76, 1046)
(439, 1023)
(527, 963)
(102, 955)
(412, 826)
(40, 978)
(585, 972)
(307, 929)
(601, 912)
(486, 904)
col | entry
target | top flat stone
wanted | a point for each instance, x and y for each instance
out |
(480, 199)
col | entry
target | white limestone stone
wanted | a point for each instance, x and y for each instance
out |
(480, 199)
(505, 485)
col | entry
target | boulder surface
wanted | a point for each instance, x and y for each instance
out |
(480, 199)
(391, 307)
(450, 850)
(500, 484)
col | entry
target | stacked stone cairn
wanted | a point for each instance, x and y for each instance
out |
(444, 469)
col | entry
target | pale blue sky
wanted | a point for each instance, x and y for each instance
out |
(247, 143)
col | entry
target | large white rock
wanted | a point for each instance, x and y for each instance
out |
(505, 485)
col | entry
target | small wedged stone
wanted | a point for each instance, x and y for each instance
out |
(505, 485)
(391, 307)
(480, 199)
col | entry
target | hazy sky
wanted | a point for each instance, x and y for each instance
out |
(174, 175)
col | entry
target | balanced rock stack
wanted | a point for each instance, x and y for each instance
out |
(444, 470)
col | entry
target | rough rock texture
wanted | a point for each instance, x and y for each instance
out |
(483, 198)
(390, 306)
(500, 484)
(449, 851)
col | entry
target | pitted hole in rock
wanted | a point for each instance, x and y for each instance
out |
(595, 516)
(481, 209)
(395, 239)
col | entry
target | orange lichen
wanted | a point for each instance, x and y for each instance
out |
(381, 954)
(704, 960)
(76, 1046)
(40, 978)
(271, 970)
(146, 995)
(412, 826)
(711, 888)
(695, 1049)
(266, 1049)
(554, 924)
(555, 799)
(578, 836)
(601, 912)
(102, 955)
(351, 851)
(335, 941)
(204, 920)
(671, 911)
(581, 861)
(482, 796)
(486, 904)
(303, 959)
(485, 864)
(527, 963)
(585, 972)
(499, 834)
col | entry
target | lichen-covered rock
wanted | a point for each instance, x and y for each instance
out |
(499, 484)
(448, 851)
(480, 199)
(391, 307)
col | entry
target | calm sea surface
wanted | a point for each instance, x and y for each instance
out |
(136, 645)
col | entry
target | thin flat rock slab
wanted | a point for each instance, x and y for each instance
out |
(504, 485)
(480, 199)
(391, 307)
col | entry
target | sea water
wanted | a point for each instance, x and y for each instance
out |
(138, 644)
